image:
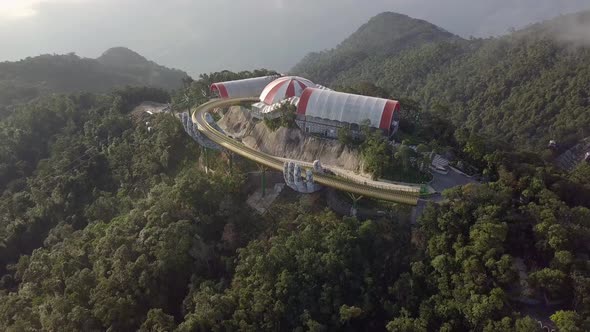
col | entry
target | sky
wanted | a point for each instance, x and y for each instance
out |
(210, 35)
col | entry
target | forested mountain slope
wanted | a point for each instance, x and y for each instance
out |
(106, 225)
(525, 88)
(78, 181)
(29, 78)
(386, 34)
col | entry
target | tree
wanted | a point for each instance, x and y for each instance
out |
(506, 324)
(404, 155)
(475, 147)
(157, 321)
(526, 324)
(345, 136)
(405, 324)
(318, 272)
(567, 321)
(348, 313)
(375, 154)
(422, 148)
(365, 88)
(552, 282)
(581, 294)
(411, 116)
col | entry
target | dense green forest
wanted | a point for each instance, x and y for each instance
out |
(524, 88)
(106, 225)
(110, 224)
(31, 78)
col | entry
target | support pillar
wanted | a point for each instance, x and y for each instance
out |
(355, 199)
(231, 162)
(262, 169)
(206, 157)
(230, 157)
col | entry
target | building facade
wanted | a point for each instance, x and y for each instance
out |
(324, 112)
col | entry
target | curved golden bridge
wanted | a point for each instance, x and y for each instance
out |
(405, 195)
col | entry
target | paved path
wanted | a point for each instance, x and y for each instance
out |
(352, 176)
(450, 180)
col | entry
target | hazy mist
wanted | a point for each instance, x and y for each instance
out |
(204, 36)
(573, 29)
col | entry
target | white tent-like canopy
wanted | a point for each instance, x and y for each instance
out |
(347, 108)
(284, 88)
(250, 87)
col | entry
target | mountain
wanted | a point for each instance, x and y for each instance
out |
(32, 77)
(122, 57)
(525, 88)
(389, 33)
(386, 34)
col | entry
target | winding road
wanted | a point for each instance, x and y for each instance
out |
(409, 195)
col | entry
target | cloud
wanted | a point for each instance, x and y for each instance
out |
(573, 29)
(20, 9)
(16, 9)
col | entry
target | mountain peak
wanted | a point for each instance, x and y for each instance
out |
(385, 35)
(121, 56)
(390, 32)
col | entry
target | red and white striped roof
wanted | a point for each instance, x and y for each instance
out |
(249, 87)
(348, 108)
(283, 88)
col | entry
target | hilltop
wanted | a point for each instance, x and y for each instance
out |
(122, 57)
(33, 77)
(386, 34)
(390, 33)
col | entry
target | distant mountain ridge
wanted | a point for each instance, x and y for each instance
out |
(32, 77)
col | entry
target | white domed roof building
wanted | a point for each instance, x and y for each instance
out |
(324, 112)
(284, 88)
(248, 87)
(319, 109)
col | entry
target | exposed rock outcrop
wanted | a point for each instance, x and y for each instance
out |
(288, 143)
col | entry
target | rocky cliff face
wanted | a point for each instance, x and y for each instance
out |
(288, 143)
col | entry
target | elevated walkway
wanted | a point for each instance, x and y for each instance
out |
(402, 194)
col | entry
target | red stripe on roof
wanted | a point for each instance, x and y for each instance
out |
(222, 91)
(301, 85)
(302, 106)
(290, 89)
(387, 115)
(271, 94)
(220, 88)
